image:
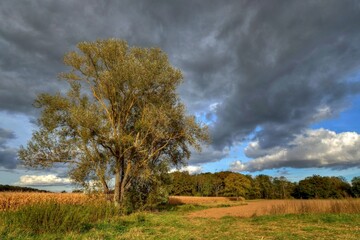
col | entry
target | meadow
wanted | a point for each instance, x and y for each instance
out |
(78, 216)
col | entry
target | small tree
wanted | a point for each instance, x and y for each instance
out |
(121, 118)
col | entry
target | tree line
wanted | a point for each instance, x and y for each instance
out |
(9, 188)
(231, 184)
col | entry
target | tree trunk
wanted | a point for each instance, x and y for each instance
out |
(106, 190)
(122, 193)
(117, 193)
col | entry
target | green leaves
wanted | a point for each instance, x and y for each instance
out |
(122, 115)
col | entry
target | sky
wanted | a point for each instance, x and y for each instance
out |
(277, 82)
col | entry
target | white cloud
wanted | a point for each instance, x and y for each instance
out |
(43, 180)
(313, 148)
(237, 166)
(191, 169)
(214, 106)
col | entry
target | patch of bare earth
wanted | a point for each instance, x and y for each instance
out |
(271, 207)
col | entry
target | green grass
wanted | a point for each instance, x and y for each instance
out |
(53, 217)
(172, 223)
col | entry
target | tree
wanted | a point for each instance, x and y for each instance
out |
(254, 191)
(182, 184)
(355, 186)
(283, 188)
(205, 184)
(121, 118)
(236, 185)
(266, 186)
(319, 187)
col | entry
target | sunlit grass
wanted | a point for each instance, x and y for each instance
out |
(344, 206)
(15, 200)
(91, 221)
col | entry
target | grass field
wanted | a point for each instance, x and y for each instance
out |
(316, 219)
(15, 200)
(173, 200)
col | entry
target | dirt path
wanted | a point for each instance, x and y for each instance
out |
(249, 210)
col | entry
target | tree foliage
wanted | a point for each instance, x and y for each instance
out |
(236, 185)
(121, 118)
(322, 187)
(261, 186)
(355, 186)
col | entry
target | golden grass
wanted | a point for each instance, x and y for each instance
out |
(347, 206)
(277, 207)
(14, 200)
(174, 200)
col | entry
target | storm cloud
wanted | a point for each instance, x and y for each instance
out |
(293, 65)
(8, 156)
(272, 68)
(208, 154)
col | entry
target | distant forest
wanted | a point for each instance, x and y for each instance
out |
(230, 184)
(262, 186)
(8, 188)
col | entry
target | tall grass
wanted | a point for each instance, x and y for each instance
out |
(54, 217)
(346, 206)
(16, 200)
(178, 200)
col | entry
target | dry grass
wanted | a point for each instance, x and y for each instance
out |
(276, 207)
(174, 200)
(14, 200)
(347, 206)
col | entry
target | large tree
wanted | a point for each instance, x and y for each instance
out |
(120, 119)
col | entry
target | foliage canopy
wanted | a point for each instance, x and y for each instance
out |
(121, 118)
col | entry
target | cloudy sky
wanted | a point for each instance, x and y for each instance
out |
(278, 82)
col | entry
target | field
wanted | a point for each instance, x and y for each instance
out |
(203, 200)
(76, 216)
(15, 200)
(278, 207)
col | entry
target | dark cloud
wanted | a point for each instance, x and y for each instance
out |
(208, 154)
(5, 135)
(8, 156)
(272, 67)
(35, 35)
(292, 62)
